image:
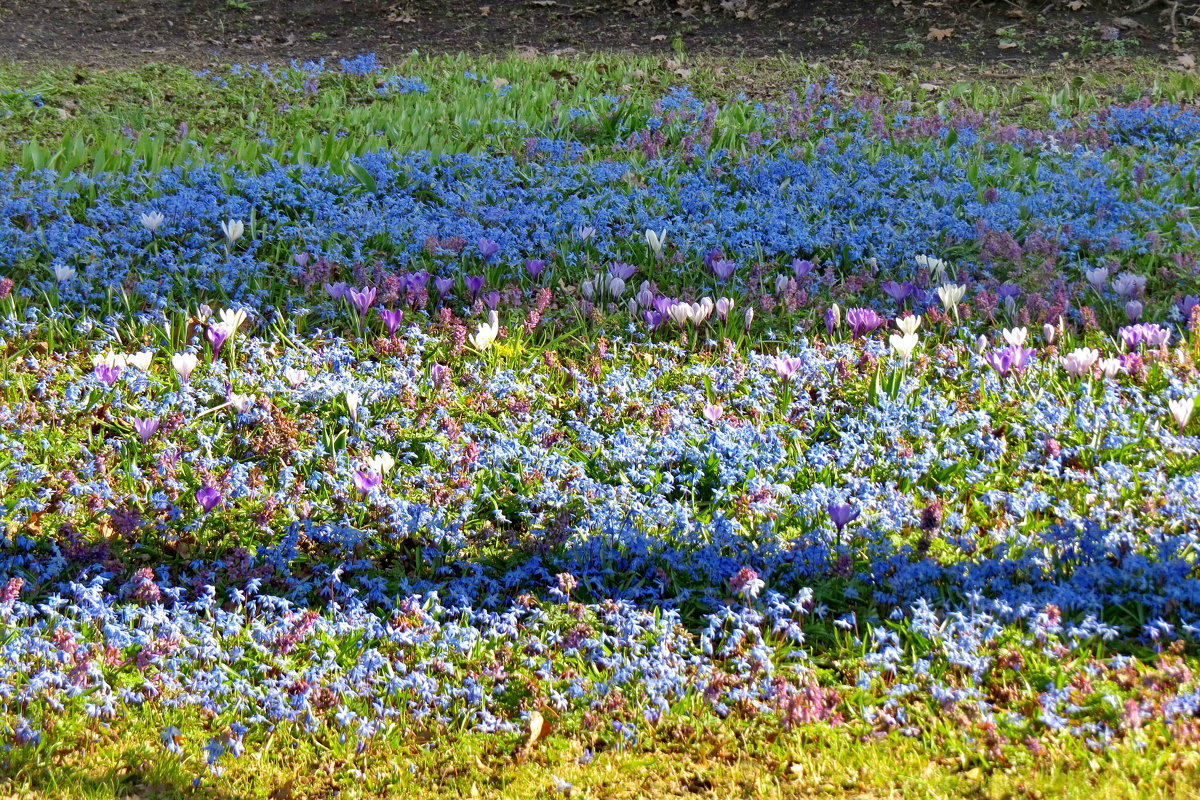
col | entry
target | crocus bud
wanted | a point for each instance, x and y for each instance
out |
(1048, 332)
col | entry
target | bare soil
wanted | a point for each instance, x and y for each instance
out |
(99, 33)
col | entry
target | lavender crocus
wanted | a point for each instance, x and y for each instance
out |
(534, 267)
(474, 284)
(723, 269)
(1146, 333)
(487, 248)
(362, 299)
(786, 366)
(216, 335)
(491, 299)
(899, 292)
(108, 373)
(366, 481)
(443, 286)
(208, 498)
(145, 427)
(439, 374)
(842, 515)
(336, 290)
(1009, 359)
(801, 267)
(391, 319)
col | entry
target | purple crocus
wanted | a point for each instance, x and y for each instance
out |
(712, 256)
(653, 318)
(391, 319)
(145, 427)
(899, 292)
(1146, 333)
(1186, 305)
(208, 498)
(534, 267)
(842, 514)
(108, 373)
(863, 321)
(417, 281)
(216, 335)
(366, 481)
(1009, 359)
(723, 269)
(443, 286)
(487, 248)
(786, 366)
(619, 269)
(474, 284)
(801, 267)
(362, 299)
(336, 290)
(301, 260)
(439, 374)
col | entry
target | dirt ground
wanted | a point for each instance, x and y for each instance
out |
(97, 33)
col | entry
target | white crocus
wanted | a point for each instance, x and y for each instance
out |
(1111, 367)
(242, 402)
(904, 345)
(656, 241)
(352, 401)
(951, 295)
(233, 230)
(232, 319)
(936, 267)
(1080, 362)
(109, 359)
(153, 221)
(487, 332)
(381, 463)
(1048, 333)
(184, 364)
(908, 325)
(1015, 336)
(680, 313)
(140, 361)
(1181, 410)
(294, 376)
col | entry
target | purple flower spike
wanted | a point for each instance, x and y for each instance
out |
(801, 267)
(443, 286)
(474, 283)
(862, 321)
(216, 335)
(391, 319)
(842, 515)
(534, 267)
(336, 290)
(366, 481)
(487, 248)
(723, 269)
(145, 428)
(208, 498)
(108, 373)
(362, 298)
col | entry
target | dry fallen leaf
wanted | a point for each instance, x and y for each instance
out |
(930, 87)
(939, 34)
(485, 10)
(1187, 61)
(1007, 45)
(499, 83)
(527, 53)
(1075, 5)
(662, 37)
(538, 729)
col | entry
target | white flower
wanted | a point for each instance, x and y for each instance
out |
(352, 401)
(781, 283)
(242, 402)
(1181, 410)
(836, 313)
(153, 221)
(904, 345)
(381, 463)
(723, 307)
(616, 287)
(184, 363)
(294, 376)
(588, 288)
(936, 266)
(1080, 362)
(951, 295)
(1111, 367)
(109, 359)
(486, 333)
(908, 325)
(140, 360)
(1015, 336)
(63, 273)
(1048, 332)
(656, 241)
(681, 313)
(233, 230)
(981, 343)
(233, 319)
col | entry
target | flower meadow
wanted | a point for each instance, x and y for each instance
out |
(825, 413)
